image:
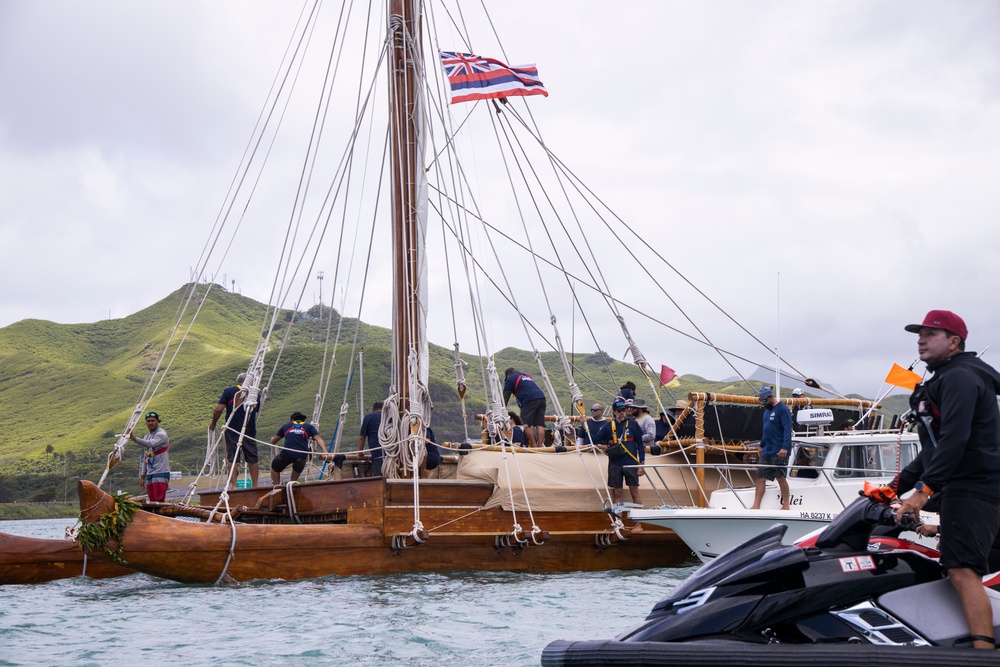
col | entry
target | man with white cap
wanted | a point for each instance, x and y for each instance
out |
(959, 461)
(775, 443)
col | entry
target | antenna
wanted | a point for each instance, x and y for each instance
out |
(777, 357)
(319, 276)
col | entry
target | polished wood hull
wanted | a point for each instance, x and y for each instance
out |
(372, 538)
(30, 560)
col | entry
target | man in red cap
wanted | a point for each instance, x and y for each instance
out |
(959, 462)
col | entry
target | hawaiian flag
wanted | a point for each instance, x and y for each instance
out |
(476, 78)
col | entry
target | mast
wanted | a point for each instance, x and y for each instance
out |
(407, 254)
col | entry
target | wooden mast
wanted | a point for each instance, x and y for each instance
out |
(403, 22)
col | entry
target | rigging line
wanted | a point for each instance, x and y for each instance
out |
(328, 375)
(237, 180)
(467, 252)
(315, 135)
(576, 394)
(260, 138)
(349, 156)
(371, 245)
(150, 390)
(337, 182)
(445, 117)
(300, 48)
(586, 239)
(464, 209)
(592, 287)
(305, 174)
(579, 183)
(537, 136)
(545, 227)
(340, 180)
(456, 163)
(462, 30)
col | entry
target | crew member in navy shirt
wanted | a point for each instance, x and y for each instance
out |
(775, 443)
(296, 434)
(369, 433)
(237, 421)
(531, 400)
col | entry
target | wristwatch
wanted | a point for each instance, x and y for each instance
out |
(923, 488)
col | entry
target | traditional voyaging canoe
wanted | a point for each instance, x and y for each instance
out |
(465, 526)
(493, 510)
(32, 560)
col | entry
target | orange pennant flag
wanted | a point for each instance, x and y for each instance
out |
(903, 378)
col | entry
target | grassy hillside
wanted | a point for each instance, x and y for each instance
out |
(68, 389)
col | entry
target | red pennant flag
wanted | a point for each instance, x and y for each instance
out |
(666, 375)
(903, 378)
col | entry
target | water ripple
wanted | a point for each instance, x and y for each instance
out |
(432, 620)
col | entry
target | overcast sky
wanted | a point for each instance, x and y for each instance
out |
(850, 148)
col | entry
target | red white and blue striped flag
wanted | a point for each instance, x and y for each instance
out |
(476, 78)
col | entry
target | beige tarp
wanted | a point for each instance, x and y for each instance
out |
(560, 481)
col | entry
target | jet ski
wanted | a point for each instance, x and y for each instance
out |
(840, 597)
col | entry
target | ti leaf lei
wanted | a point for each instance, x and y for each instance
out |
(109, 527)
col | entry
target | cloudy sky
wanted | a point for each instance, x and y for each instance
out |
(821, 170)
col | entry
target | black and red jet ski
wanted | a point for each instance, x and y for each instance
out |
(840, 600)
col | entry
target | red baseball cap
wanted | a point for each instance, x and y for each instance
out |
(942, 319)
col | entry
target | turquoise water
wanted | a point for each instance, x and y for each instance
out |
(467, 618)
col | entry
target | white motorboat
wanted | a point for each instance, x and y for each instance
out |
(826, 474)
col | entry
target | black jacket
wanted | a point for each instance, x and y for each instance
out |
(960, 453)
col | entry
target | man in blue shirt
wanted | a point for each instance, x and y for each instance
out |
(369, 433)
(296, 434)
(592, 426)
(775, 443)
(237, 420)
(624, 448)
(531, 400)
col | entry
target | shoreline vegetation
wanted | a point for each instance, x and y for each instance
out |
(53, 510)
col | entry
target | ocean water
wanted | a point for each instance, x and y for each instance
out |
(463, 618)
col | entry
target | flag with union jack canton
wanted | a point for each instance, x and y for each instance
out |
(476, 78)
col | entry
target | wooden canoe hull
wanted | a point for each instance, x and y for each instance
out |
(461, 538)
(30, 560)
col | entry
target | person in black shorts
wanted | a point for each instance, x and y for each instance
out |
(237, 421)
(531, 400)
(624, 449)
(775, 444)
(959, 462)
(296, 451)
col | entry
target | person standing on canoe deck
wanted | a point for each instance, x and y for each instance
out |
(369, 434)
(637, 410)
(531, 400)
(626, 391)
(231, 402)
(516, 429)
(775, 443)
(959, 462)
(296, 434)
(594, 424)
(796, 426)
(624, 448)
(663, 426)
(154, 470)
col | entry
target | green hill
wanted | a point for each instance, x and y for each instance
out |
(67, 389)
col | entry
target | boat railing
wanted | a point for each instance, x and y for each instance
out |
(726, 472)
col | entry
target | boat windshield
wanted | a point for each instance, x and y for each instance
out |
(807, 458)
(874, 459)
